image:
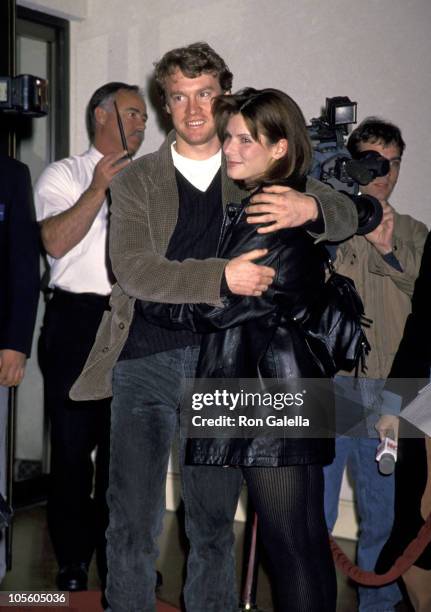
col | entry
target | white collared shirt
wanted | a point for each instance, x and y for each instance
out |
(83, 269)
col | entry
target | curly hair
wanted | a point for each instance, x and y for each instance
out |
(192, 60)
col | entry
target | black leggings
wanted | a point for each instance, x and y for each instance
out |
(289, 504)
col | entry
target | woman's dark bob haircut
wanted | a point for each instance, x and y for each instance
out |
(273, 114)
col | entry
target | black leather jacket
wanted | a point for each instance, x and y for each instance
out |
(252, 337)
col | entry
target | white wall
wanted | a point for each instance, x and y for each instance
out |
(377, 52)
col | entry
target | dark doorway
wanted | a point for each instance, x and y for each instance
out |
(42, 49)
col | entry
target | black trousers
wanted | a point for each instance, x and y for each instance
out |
(77, 510)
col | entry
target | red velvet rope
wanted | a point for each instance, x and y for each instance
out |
(401, 565)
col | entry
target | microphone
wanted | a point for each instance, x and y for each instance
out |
(386, 455)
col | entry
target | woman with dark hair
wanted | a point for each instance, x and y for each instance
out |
(265, 140)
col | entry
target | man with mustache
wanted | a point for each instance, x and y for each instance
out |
(71, 199)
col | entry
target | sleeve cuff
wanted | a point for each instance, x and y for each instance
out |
(318, 225)
(224, 289)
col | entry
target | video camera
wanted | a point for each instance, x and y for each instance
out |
(333, 164)
(24, 94)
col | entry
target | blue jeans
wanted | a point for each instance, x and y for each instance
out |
(374, 493)
(145, 410)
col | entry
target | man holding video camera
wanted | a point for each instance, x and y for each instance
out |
(384, 265)
(72, 208)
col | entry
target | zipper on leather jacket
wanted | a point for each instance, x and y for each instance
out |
(231, 214)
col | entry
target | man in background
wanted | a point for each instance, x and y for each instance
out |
(384, 265)
(71, 199)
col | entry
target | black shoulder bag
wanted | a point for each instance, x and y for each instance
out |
(334, 324)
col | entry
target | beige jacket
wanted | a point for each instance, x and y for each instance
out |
(144, 213)
(385, 291)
